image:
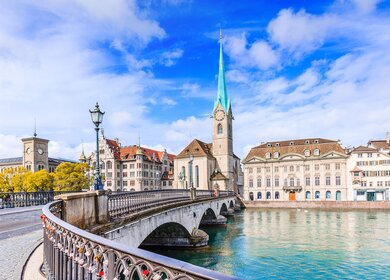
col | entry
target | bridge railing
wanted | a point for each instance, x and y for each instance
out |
(21, 199)
(72, 253)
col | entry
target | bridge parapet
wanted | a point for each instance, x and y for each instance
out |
(73, 253)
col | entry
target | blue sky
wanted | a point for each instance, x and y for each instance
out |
(295, 69)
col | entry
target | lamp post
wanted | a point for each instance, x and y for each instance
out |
(191, 178)
(97, 118)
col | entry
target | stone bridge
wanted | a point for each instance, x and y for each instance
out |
(178, 226)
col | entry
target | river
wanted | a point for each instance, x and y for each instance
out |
(296, 244)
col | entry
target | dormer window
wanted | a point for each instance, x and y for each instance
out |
(307, 142)
(307, 153)
(317, 152)
(316, 141)
(269, 145)
(268, 155)
(276, 155)
(291, 143)
(277, 145)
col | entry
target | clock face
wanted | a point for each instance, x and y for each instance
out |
(219, 115)
(28, 151)
(40, 151)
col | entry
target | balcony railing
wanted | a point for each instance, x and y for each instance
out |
(72, 253)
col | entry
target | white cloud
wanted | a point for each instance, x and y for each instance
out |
(170, 58)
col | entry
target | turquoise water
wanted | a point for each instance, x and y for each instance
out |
(292, 244)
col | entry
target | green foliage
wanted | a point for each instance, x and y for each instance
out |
(71, 177)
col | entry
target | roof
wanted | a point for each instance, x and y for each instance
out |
(217, 175)
(363, 149)
(196, 148)
(11, 160)
(60, 160)
(127, 152)
(356, 169)
(296, 146)
(379, 144)
(222, 97)
(114, 147)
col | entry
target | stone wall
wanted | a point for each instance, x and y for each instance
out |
(319, 204)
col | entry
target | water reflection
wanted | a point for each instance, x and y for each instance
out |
(293, 244)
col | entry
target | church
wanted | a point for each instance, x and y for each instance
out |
(207, 166)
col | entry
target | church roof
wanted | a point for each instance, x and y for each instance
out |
(222, 97)
(196, 148)
(297, 146)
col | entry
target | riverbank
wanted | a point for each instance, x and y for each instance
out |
(344, 205)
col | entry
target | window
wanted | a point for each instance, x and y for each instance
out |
(268, 155)
(337, 166)
(276, 182)
(298, 182)
(327, 194)
(220, 130)
(268, 195)
(291, 143)
(307, 195)
(124, 166)
(360, 155)
(124, 174)
(327, 180)
(277, 145)
(276, 169)
(276, 195)
(317, 181)
(102, 165)
(316, 152)
(316, 141)
(285, 168)
(132, 166)
(196, 176)
(258, 195)
(338, 195)
(307, 153)
(269, 145)
(307, 181)
(132, 174)
(109, 165)
(132, 183)
(307, 142)
(109, 174)
(109, 184)
(251, 195)
(317, 195)
(292, 168)
(268, 169)
(276, 155)
(259, 182)
(251, 183)
(338, 181)
(291, 182)
(307, 167)
(268, 182)
(285, 182)
(125, 183)
(327, 166)
(250, 170)
(118, 183)
(316, 167)
(379, 184)
(258, 170)
(369, 155)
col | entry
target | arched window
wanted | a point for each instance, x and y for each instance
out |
(251, 196)
(338, 195)
(250, 182)
(268, 195)
(258, 195)
(102, 165)
(276, 155)
(259, 182)
(109, 165)
(268, 155)
(317, 152)
(291, 182)
(276, 195)
(317, 195)
(220, 130)
(307, 195)
(307, 153)
(327, 194)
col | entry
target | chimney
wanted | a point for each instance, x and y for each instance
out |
(388, 138)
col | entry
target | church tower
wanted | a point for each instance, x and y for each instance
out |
(222, 127)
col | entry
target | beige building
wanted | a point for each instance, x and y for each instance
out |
(132, 168)
(303, 170)
(35, 156)
(212, 165)
(369, 172)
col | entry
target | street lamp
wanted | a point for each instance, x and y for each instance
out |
(97, 118)
(191, 178)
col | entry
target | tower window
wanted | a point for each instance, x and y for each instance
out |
(220, 130)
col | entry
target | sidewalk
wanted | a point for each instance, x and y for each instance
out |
(7, 211)
(33, 265)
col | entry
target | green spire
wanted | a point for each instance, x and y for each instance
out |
(222, 93)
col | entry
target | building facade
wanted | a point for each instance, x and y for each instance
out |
(35, 156)
(303, 170)
(212, 165)
(132, 168)
(369, 172)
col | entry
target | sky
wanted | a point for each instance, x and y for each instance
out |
(294, 69)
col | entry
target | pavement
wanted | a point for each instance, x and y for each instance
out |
(20, 234)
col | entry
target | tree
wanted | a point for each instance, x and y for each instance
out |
(71, 177)
(39, 181)
(18, 179)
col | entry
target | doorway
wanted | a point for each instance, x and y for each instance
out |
(370, 196)
(291, 196)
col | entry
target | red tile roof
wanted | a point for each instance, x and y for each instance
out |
(127, 152)
(379, 144)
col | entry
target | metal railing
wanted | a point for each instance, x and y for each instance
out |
(22, 199)
(72, 253)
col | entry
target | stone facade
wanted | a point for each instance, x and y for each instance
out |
(35, 156)
(369, 172)
(132, 168)
(212, 165)
(301, 170)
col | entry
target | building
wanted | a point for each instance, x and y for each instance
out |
(132, 168)
(369, 172)
(303, 170)
(212, 165)
(35, 156)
